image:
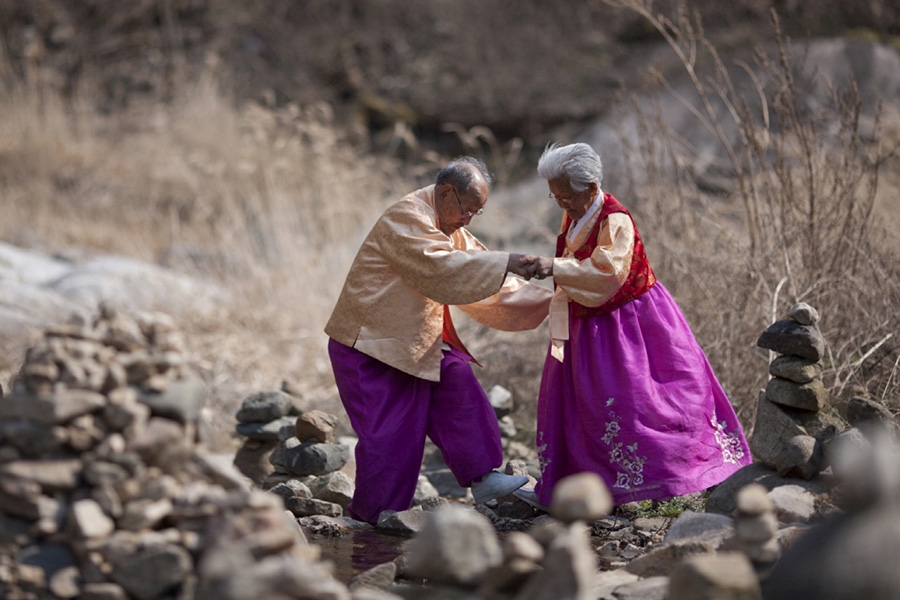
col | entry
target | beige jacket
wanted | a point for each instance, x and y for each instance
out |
(391, 306)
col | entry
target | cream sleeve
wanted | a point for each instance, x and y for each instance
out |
(596, 279)
(518, 306)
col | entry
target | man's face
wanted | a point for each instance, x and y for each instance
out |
(456, 208)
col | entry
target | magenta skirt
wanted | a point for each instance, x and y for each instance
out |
(636, 402)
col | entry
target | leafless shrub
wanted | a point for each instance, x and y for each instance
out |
(805, 180)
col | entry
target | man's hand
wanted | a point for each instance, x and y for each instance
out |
(528, 266)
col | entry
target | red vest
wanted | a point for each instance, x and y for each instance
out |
(640, 276)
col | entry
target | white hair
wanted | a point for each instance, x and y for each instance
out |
(576, 162)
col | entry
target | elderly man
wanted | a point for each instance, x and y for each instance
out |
(401, 370)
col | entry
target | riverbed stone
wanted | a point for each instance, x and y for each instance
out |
(314, 458)
(723, 575)
(456, 546)
(581, 497)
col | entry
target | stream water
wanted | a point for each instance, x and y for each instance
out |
(357, 550)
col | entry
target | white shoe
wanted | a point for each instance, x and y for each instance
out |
(496, 485)
(529, 496)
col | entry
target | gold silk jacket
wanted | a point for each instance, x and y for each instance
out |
(392, 304)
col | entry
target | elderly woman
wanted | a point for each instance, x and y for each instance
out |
(626, 391)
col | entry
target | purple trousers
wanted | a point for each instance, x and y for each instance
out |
(392, 412)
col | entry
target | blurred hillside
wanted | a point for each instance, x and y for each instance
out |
(393, 69)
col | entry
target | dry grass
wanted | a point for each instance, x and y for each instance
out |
(797, 224)
(270, 203)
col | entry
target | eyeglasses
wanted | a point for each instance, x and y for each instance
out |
(466, 213)
(560, 199)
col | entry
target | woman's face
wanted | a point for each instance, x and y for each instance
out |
(574, 203)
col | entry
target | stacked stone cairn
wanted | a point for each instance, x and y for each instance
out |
(305, 461)
(791, 422)
(105, 493)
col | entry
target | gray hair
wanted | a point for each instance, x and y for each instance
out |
(576, 162)
(460, 173)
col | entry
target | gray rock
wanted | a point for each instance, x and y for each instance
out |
(853, 555)
(568, 568)
(795, 368)
(264, 406)
(456, 546)
(291, 488)
(752, 500)
(660, 560)
(103, 591)
(801, 455)
(52, 475)
(444, 481)
(810, 396)
(804, 314)
(334, 487)
(152, 571)
(649, 588)
(424, 490)
(180, 401)
(793, 503)
(790, 337)
(306, 507)
(716, 576)
(580, 497)
(708, 527)
(379, 577)
(870, 416)
(403, 521)
(502, 401)
(722, 499)
(50, 409)
(313, 458)
(49, 558)
(89, 520)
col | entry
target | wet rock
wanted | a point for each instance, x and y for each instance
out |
(404, 521)
(379, 577)
(305, 507)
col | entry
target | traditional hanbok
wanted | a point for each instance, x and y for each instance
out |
(400, 368)
(626, 391)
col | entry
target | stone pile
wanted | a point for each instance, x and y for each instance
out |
(790, 424)
(105, 493)
(304, 460)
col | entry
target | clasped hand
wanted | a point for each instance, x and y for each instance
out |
(528, 266)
